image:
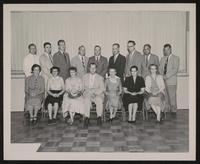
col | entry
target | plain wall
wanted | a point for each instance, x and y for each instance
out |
(17, 93)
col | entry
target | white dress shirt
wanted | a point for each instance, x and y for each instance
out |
(28, 62)
(91, 80)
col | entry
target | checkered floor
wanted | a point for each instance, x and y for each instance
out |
(145, 136)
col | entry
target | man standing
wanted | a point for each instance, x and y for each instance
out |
(148, 59)
(100, 61)
(117, 61)
(93, 92)
(61, 60)
(30, 59)
(133, 58)
(46, 62)
(169, 66)
(80, 61)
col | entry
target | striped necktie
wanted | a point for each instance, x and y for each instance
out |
(165, 66)
(83, 63)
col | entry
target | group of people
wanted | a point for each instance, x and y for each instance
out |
(74, 85)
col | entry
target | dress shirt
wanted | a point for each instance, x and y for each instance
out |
(28, 62)
(115, 57)
(55, 83)
(91, 81)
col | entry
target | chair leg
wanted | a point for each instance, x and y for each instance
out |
(123, 114)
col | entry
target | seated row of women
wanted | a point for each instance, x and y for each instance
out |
(69, 95)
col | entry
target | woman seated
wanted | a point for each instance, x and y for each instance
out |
(34, 92)
(155, 90)
(134, 87)
(73, 100)
(113, 92)
(55, 90)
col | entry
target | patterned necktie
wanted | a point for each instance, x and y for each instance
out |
(83, 63)
(97, 59)
(50, 57)
(165, 66)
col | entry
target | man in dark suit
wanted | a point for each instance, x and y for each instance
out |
(117, 61)
(148, 59)
(61, 60)
(100, 61)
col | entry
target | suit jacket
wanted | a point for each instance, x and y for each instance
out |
(76, 62)
(98, 86)
(172, 69)
(131, 60)
(46, 63)
(102, 65)
(152, 60)
(63, 62)
(119, 65)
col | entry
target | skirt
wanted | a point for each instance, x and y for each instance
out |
(113, 101)
(129, 99)
(51, 100)
(72, 105)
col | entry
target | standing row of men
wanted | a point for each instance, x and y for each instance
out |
(168, 65)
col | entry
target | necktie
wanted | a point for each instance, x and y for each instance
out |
(50, 57)
(83, 63)
(65, 58)
(165, 66)
(146, 61)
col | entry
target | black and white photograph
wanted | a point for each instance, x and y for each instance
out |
(99, 81)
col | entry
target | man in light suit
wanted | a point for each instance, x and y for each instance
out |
(30, 59)
(117, 61)
(46, 62)
(169, 66)
(133, 58)
(61, 60)
(94, 89)
(100, 61)
(80, 61)
(148, 59)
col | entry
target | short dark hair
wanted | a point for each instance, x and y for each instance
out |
(46, 43)
(168, 45)
(134, 66)
(60, 41)
(116, 44)
(153, 65)
(97, 46)
(34, 66)
(32, 44)
(92, 64)
(54, 67)
(80, 47)
(72, 69)
(132, 41)
(148, 45)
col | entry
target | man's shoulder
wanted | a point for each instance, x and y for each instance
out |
(104, 58)
(175, 56)
(75, 57)
(99, 76)
(122, 56)
(56, 54)
(138, 53)
(91, 58)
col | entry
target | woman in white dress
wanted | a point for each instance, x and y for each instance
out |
(73, 101)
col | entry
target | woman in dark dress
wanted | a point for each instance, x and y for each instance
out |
(55, 90)
(134, 87)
